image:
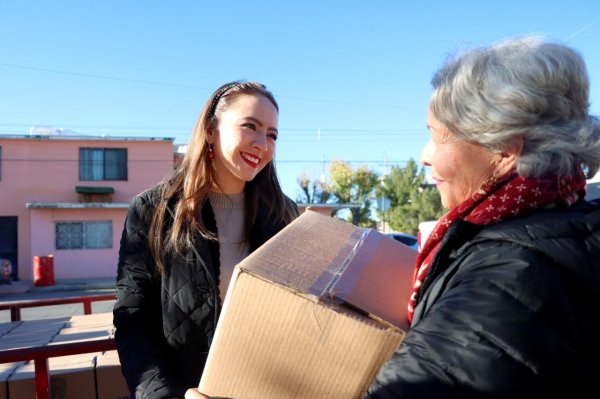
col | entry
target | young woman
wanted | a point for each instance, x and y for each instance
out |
(182, 239)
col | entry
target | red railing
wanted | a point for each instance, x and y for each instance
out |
(41, 353)
(16, 306)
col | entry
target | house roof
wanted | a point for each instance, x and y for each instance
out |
(81, 137)
(76, 205)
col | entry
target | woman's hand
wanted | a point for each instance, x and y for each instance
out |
(193, 393)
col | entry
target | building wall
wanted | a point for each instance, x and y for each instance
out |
(46, 170)
(75, 263)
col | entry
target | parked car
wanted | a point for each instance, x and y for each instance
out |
(406, 239)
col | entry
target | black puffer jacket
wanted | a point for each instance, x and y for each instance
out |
(165, 325)
(512, 310)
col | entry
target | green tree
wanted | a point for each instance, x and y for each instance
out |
(411, 200)
(356, 187)
(313, 191)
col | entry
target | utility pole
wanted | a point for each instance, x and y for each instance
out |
(322, 177)
(382, 180)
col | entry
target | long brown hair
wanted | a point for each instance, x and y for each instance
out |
(184, 192)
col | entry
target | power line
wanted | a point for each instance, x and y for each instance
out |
(104, 77)
(326, 132)
(289, 129)
(184, 86)
(377, 162)
(586, 27)
(368, 161)
(76, 160)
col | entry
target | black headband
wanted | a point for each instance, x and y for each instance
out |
(215, 101)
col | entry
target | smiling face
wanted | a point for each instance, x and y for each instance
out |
(458, 167)
(244, 141)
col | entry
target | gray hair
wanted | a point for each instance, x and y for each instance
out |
(522, 88)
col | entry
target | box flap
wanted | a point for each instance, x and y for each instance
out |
(334, 260)
(305, 254)
(376, 277)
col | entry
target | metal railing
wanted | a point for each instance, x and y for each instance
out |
(16, 306)
(41, 353)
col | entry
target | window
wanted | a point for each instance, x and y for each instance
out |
(102, 164)
(84, 235)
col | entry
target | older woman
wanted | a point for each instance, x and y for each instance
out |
(506, 300)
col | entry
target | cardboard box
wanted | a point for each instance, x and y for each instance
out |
(305, 315)
(111, 383)
(85, 328)
(5, 328)
(71, 377)
(6, 370)
(92, 320)
(30, 333)
(76, 334)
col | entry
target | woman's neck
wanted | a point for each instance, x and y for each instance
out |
(232, 189)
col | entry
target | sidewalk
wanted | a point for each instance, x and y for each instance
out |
(26, 286)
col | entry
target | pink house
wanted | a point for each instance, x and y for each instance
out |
(67, 196)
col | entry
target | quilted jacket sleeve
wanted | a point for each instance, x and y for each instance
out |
(500, 325)
(137, 312)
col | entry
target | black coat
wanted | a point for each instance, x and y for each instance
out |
(512, 310)
(165, 324)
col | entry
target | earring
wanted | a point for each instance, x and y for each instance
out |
(211, 153)
(488, 182)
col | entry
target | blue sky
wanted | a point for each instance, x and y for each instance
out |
(351, 77)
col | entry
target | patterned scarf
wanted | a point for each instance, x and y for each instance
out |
(497, 201)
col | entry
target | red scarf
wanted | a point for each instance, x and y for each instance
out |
(495, 202)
